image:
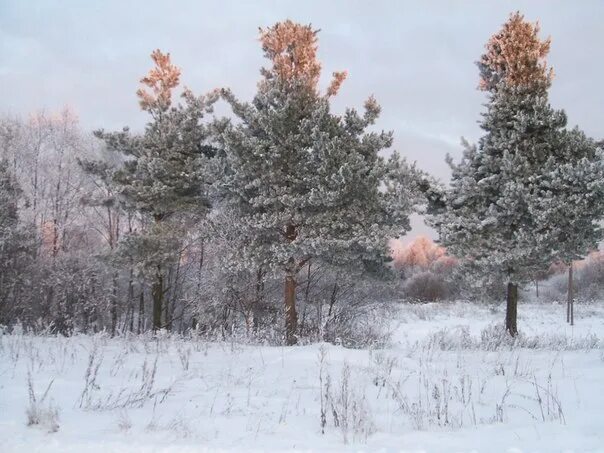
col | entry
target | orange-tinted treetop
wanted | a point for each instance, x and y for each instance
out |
(162, 79)
(516, 56)
(292, 48)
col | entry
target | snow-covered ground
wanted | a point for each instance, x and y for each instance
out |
(448, 382)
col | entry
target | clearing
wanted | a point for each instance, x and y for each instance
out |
(449, 381)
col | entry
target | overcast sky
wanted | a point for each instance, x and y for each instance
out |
(416, 57)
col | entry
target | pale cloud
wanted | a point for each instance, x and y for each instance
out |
(416, 57)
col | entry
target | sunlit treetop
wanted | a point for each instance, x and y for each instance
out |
(292, 48)
(161, 80)
(516, 56)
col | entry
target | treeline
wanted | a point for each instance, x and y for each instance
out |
(77, 257)
(276, 221)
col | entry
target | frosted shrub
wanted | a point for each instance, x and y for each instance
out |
(95, 359)
(448, 339)
(494, 336)
(123, 422)
(184, 354)
(360, 324)
(345, 402)
(134, 396)
(40, 413)
(426, 287)
(423, 311)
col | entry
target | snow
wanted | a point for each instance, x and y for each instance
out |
(442, 385)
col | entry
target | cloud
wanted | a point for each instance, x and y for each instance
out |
(417, 58)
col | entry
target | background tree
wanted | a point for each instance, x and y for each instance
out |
(573, 203)
(305, 183)
(166, 172)
(109, 210)
(16, 246)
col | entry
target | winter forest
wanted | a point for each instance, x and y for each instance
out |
(242, 272)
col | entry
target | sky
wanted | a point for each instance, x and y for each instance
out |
(416, 57)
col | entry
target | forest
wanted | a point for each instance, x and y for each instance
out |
(229, 227)
(278, 220)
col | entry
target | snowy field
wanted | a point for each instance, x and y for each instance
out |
(447, 382)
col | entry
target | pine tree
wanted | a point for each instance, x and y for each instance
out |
(9, 198)
(106, 204)
(16, 244)
(304, 183)
(503, 211)
(167, 169)
(573, 204)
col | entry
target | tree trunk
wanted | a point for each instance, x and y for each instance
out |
(168, 297)
(320, 318)
(171, 308)
(141, 310)
(131, 299)
(537, 288)
(306, 294)
(570, 296)
(55, 238)
(131, 280)
(114, 304)
(291, 317)
(157, 291)
(512, 309)
(258, 301)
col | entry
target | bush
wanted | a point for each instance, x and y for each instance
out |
(427, 287)
(46, 416)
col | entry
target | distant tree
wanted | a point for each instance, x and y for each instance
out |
(503, 212)
(576, 206)
(426, 269)
(42, 152)
(11, 134)
(16, 246)
(9, 198)
(166, 171)
(422, 252)
(105, 203)
(306, 184)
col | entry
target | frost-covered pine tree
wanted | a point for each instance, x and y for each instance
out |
(9, 198)
(105, 203)
(574, 202)
(167, 169)
(504, 211)
(16, 245)
(303, 183)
